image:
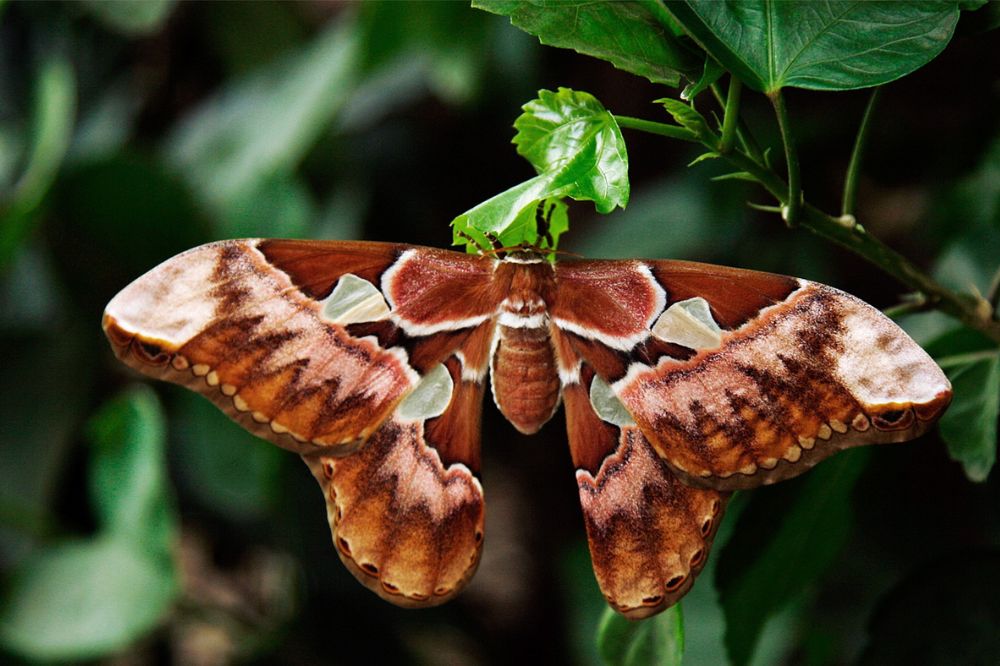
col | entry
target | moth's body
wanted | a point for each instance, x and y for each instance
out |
(524, 371)
(680, 382)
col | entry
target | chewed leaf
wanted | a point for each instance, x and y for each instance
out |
(577, 148)
(509, 218)
(571, 137)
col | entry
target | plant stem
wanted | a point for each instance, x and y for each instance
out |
(731, 116)
(964, 307)
(651, 127)
(794, 199)
(854, 167)
(915, 303)
(967, 358)
(743, 132)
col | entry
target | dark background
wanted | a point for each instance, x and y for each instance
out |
(415, 131)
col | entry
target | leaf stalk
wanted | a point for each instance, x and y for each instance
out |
(732, 114)
(854, 166)
(652, 127)
(854, 237)
(793, 204)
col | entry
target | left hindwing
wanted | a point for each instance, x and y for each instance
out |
(739, 378)
(649, 533)
(321, 347)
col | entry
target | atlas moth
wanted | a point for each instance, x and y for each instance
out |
(680, 383)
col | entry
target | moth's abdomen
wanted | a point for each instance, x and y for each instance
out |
(525, 377)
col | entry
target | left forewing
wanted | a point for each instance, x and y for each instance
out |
(309, 344)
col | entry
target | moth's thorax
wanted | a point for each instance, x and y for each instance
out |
(524, 371)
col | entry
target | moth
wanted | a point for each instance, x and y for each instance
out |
(680, 382)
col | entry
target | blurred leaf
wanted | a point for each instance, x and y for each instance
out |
(46, 381)
(626, 34)
(29, 297)
(87, 598)
(262, 124)
(977, 197)
(444, 38)
(945, 613)
(970, 261)
(785, 540)
(279, 206)
(131, 17)
(118, 217)
(657, 640)
(105, 125)
(226, 467)
(578, 151)
(128, 486)
(583, 601)
(678, 217)
(247, 35)
(969, 427)
(11, 147)
(52, 126)
(84, 599)
(820, 45)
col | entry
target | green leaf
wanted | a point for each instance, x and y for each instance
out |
(709, 75)
(710, 155)
(969, 426)
(570, 136)
(626, 34)
(279, 205)
(128, 484)
(820, 44)
(46, 384)
(944, 613)
(53, 115)
(226, 467)
(131, 17)
(785, 539)
(444, 38)
(262, 124)
(85, 599)
(688, 117)
(657, 640)
(578, 151)
(504, 217)
(101, 204)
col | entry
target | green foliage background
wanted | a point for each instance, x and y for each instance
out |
(138, 523)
